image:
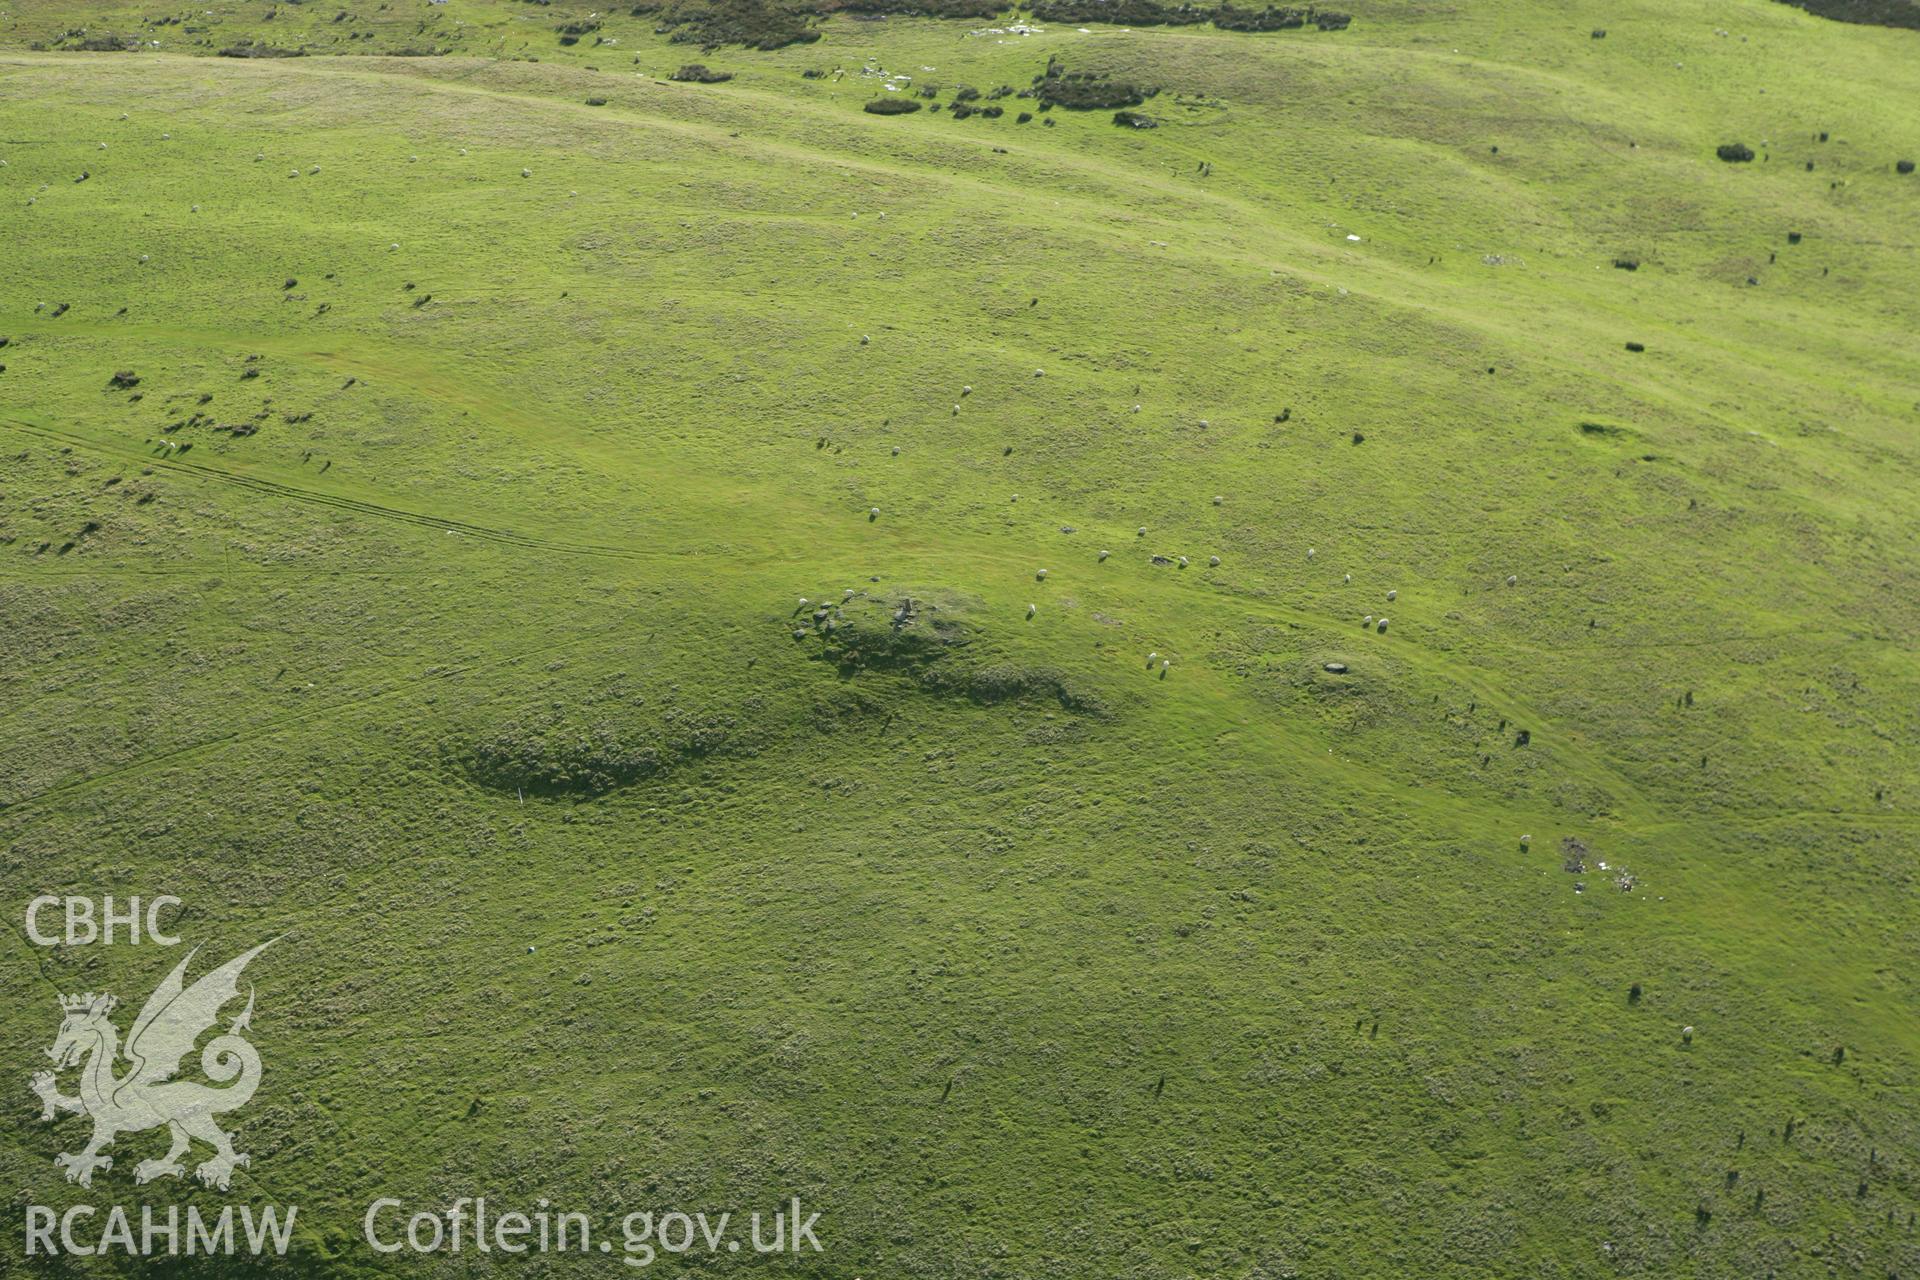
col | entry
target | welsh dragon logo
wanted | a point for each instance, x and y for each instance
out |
(145, 1095)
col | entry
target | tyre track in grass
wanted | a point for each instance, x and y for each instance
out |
(340, 502)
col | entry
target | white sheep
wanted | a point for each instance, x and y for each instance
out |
(1141, 532)
(1513, 579)
(1392, 596)
(1041, 575)
(1347, 580)
(1032, 609)
(1213, 561)
(1310, 553)
(1183, 562)
(1105, 554)
(1381, 626)
(1218, 499)
(967, 390)
(525, 173)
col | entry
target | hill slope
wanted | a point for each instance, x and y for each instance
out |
(442, 588)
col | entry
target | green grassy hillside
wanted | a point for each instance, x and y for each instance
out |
(430, 591)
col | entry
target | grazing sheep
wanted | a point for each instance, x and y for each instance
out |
(1141, 532)
(1347, 580)
(865, 339)
(525, 173)
(1032, 609)
(1381, 626)
(896, 451)
(964, 391)
(873, 513)
(803, 602)
(1213, 561)
(1525, 841)
(1039, 373)
(1105, 554)
(1686, 1035)
(1183, 562)
(1392, 596)
(1309, 553)
(1040, 575)
(1513, 579)
(1366, 621)
(1218, 499)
